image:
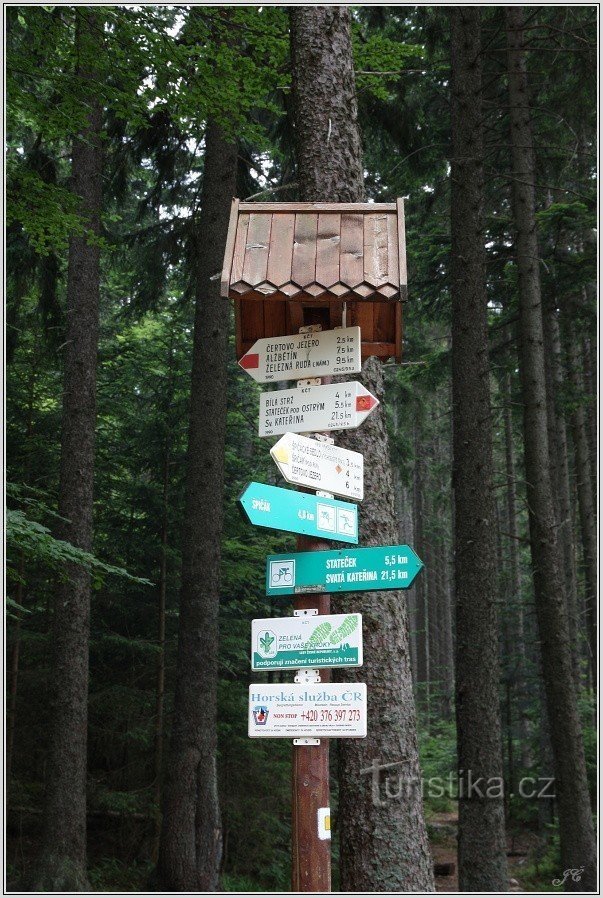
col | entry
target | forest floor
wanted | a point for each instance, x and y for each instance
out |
(521, 845)
(130, 874)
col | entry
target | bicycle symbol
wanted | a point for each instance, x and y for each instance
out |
(282, 574)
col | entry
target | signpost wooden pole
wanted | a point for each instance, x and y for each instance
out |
(311, 854)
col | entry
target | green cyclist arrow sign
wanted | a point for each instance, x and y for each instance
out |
(345, 570)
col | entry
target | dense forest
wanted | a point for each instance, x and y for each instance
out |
(131, 431)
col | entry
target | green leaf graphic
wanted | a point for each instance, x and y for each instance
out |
(266, 641)
(347, 627)
(319, 636)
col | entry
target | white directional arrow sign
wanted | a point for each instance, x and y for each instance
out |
(320, 466)
(310, 409)
(304, 355)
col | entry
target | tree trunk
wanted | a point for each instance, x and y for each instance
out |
(560, 478)
(423, 661)
(516, 602)
(588, 524)
(158, 735)
(481, 841)
(447, 649)
(383, 842)
(431, 604)
(190, 846)
(62, 862)
(575, 821)
(589, 356)
(325, 109)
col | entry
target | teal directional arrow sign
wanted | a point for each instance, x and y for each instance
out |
(271, 506)
(346, 570)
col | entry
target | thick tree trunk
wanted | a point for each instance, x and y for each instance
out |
(422, 636)
(589, 356)
(160, 671)
(190, 846)
(62, 862)
(325, 109)
(514, 580)
(481, 843)
(447, 644)
(432, 609)
(588, 524)
(575, 821)
(383, 841)
(560, 478)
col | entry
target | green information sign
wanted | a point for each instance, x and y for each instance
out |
(288, 643)
(271, 506)
(345, 570)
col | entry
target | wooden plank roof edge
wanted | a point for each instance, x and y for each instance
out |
(317, 207)
(402, 272)
(229, 248)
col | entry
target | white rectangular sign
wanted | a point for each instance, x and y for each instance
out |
(304, 355)
(309, 409)
(314, 710)
(320, 466)
(288, 643)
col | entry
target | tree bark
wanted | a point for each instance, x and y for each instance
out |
(423, 661)
(432, 603)
(575, 821)
(325, 109)
(158, 728)
(481, 841)
(586, 511)
(589, 356)
(516, 601)
(190, 845)
(62, 862)
(383, 842)
(447, 650)
(560, 478)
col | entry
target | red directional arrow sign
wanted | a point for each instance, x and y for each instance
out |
(315, 409)
(304, 355)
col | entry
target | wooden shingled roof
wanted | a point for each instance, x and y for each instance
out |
(316, 251)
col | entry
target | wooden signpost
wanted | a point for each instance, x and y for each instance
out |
(310, 267)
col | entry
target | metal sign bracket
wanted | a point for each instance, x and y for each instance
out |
(307, 675)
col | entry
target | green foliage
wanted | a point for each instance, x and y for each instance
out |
(37, 544)
(108, 874)
(47, 212)
(540, 871)
(437, 753)
(379, 61)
